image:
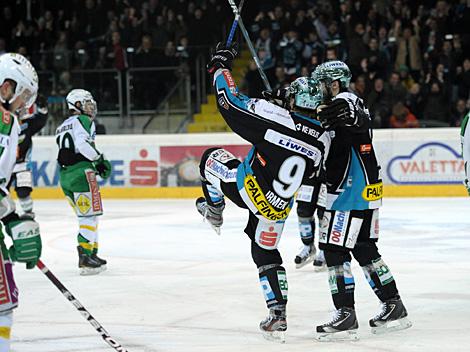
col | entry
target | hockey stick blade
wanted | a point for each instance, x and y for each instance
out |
(83, 311)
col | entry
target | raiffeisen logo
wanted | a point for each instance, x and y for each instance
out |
(430, 163)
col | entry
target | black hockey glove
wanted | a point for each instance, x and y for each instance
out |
(278, 96)
(103, 167)
(222, 57)
(339, 113)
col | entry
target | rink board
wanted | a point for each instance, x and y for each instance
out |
(415, 163)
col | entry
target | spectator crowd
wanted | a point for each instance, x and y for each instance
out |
(410, 59)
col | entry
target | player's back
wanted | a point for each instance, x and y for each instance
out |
(287, 148)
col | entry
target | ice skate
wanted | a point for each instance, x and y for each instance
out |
(213, 214)
(392, 317)
(275, 325)
(89, 264)
(306, 255)
(319, 263)
(343, 326)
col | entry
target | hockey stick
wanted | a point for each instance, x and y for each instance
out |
(249, 43)
(83, 311)
(235, 21)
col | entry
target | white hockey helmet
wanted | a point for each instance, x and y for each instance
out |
(18, 69)
(87, 104)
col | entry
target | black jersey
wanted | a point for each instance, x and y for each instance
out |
(30, 125)
(352, 170)
(287, 152)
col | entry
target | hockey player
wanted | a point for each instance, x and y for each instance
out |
(465, 141)
(32, 120)
(80, 162)
(351, 221)
(18, 90)
(306, 204)
(287, 153)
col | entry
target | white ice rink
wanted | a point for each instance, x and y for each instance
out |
(173, 285)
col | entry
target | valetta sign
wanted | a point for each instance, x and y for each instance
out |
(430, 163)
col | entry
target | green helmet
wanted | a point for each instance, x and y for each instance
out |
(306, 93)
(331, 71)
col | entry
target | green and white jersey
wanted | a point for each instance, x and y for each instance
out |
(75, 138)
(9, 133)
(465, 140)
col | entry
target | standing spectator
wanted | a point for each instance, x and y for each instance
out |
(313, 46)
(199, 33)
(378, 104)
(394, 90)
(402, 117)
(409, 51)
(159, 33)
(290, 53)
(463, 80)
(265, 48)
(436, 106)
(252, 83)
(415, 101)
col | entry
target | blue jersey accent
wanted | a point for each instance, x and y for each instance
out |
(233, 96)
(245, 169)
(353, 185)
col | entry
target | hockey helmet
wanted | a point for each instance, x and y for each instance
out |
(87, 105)
(18, 69)
(306, 93)
(331, 71)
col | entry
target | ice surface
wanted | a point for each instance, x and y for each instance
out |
(173, 285)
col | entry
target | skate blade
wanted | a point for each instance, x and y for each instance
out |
(349, 335)
(92, 271)
(275, 336)
(216, 229)
(319, 268)
(301, 265)
(395, 325)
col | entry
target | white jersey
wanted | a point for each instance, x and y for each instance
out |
(9, 133)
(77, 134)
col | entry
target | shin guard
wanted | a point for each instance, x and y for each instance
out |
(273, 282)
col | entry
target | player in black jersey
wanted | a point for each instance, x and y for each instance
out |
(31, 122)
(287, 152)
(350, 224)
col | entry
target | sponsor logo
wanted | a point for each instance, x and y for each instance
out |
(143, 172)
(223, 103)
(282, 279)
(430, 163)
(230, 82)
(222, 155)
(373, 192)
(382, 270)
(4, 294)
(94, 190)
(365, 148)
(266, 287)
(268, 238)
(83, 204)
(339, 228)
(332, 281)
(220, 170)
(307, 130)
(259, 200)
(292, 144)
